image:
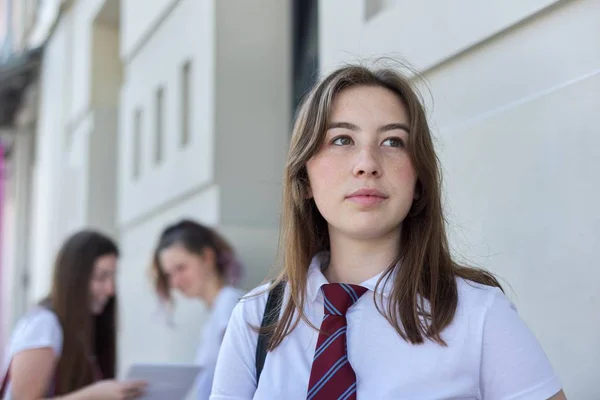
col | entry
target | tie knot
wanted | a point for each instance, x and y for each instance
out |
(339, 297)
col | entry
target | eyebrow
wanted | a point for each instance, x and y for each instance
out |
(384, 128)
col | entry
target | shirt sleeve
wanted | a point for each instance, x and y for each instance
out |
(235, 375)
(38, 329)
(514, 365)
(226, 309)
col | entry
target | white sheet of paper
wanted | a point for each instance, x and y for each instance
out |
(165, 381)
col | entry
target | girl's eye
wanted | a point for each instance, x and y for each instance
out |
(393, 142)
(342, 141)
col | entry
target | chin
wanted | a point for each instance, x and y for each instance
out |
(369, 230)
(97, 310)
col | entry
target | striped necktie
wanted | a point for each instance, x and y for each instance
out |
(331, 375)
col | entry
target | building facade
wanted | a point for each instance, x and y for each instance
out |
(153, 110)
(19, 67)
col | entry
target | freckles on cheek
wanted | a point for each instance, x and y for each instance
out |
(404, 169)
(324, 172)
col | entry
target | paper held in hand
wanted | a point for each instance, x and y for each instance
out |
(165, 381)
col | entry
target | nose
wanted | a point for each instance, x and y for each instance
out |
(367, 163)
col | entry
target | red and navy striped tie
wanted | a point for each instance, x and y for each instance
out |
(331, 375)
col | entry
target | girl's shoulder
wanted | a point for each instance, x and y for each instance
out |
(37, 328)
(477, 297)
(485, 305)
(476, 294)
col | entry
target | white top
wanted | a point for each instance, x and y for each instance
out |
(37, 329)
(212, 335)
(491, 354)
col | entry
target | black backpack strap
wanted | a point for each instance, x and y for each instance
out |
(270, 316)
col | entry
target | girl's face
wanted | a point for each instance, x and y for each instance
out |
(186, 271)
(362, 178)
(102, 282)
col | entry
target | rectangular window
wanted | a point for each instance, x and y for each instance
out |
(186, 92)
(159, 128)
(305, 48)
(137, 143)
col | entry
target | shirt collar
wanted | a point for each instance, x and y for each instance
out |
(316, 279)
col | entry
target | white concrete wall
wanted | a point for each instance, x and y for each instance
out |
(239, 117)
(75, 171)
(140, 20)
(105, 74)
(253, 122)
(181, 184)
(81, 62)
(515, 99)
(15, 230)
(101, 186)
(183, 170)
(8, 224)
(423, 33)
(47, 224)
(76, 143)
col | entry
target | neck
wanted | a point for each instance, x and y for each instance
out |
(357, 260)
(213, 287)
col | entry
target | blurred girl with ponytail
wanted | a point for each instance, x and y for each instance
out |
(195, 260)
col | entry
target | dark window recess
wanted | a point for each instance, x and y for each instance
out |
(305, 25)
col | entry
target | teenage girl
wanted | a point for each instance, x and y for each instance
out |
(374, 306)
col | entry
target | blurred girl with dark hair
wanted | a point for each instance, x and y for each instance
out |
(66, 345)
(195, 260)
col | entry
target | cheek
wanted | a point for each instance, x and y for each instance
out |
(175, 279)
(324, 173)
(95, 290)
(194, 274)
(404, 172)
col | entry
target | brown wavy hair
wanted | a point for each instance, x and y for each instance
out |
(428, 271)
(84, 335)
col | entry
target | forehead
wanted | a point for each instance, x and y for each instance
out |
(105, 263)
(369, 104)
(173, 255)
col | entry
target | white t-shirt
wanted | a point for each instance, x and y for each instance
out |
(212, 335)
(491, 354)
(37, 329)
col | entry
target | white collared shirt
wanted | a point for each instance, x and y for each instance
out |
(212, 335)
(490, 353)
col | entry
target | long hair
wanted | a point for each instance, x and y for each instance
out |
(195, 238)
(84, 335)
(428, 271)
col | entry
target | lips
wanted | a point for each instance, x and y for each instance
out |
(367, 197)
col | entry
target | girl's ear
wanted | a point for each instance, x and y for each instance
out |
(209, 255)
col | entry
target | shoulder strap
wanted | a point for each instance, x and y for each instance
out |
(270, 316)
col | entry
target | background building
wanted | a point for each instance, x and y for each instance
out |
(148, 111)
